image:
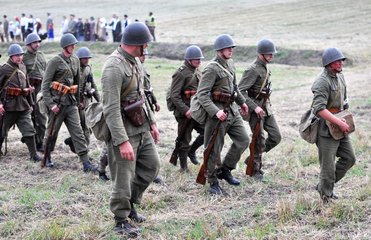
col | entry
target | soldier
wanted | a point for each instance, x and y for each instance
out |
(16, 101)
(255, 87)
(132, 155)
(329, 97)
(218, 94)
(36, 64)
(88, 90)
(151, 24)
(183, 86)
(60, 89)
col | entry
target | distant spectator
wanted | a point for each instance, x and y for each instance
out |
(87, 30)
(72, 25)
(17, 29)
(30, 25)
(50, 27)
(11, 30)
(64, 27)
(102, 30)
(1, 32)
(24, 22)
(125, 22)
(6, 28)
(116, 28)
(79, 30)
(93, 34)
(151, 24)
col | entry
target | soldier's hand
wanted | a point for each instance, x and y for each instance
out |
(221, 115)
(55, 109)
(188, 114)
(126, 151)
(244, 109)
(155, 133)
(157, 107)
(344, 127)
(2, 110)
(260, 112)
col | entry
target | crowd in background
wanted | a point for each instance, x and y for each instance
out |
(88, 29)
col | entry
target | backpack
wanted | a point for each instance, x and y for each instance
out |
(169, 103)
(96, 122)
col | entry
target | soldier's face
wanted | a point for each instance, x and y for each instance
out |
(84, 61)
(195, 62)
(69, 49)
(268, 57)
(17, 59)
(35, 45)
(337, 66)
(227, 52)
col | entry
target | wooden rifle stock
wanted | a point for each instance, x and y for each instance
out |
(201, 177)
(250, 164)
(48, 141)
(174, 155)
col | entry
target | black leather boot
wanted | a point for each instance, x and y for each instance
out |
(124, 227)
(225, 173)
(138, 218)
(68, 142)
(30, 142)
(192, 151)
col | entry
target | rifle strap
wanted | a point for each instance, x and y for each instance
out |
(130, 85)
(263, 85)
(12, 75)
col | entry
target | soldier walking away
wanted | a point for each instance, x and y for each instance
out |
(330, 97)
(60, 89)
(183, 86)
(132, 155)
(16, 101)
(36, 64)
(255, 86)
(88, 91)
(151, 24)
(219, 95)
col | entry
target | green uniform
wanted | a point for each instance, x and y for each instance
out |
(16, 98)
(329, 91)
(148, 90)
(250, 85)
(130, 178)
(36, 65)
(184, 84)
(215, 78)
(66, 71)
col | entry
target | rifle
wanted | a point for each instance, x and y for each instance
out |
(148, 94)
(174, 155)
(254, 138)
(202, 174)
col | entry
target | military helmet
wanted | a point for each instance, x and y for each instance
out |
(266, 46)
(136, 34)
(331, 55)
(83, 52)
(193, 52)
(223, 41)
(68, 39)
(15, 49)
(32, 37)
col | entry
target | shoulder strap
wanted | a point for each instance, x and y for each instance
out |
(264, 82)
(223, 68)
(12, 75)
(127, 90)
(68, 66)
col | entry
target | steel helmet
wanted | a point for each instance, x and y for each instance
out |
(193, 52)
(331, 55)
(32, 37)
(15, 49)
(223, 41)
(83, 52)
(266, 46)
(68, 39)
(137, 34)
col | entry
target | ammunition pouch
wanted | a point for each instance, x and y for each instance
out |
(35, 81)
(189, 93)
(221, 97)
(334, 110)
(19, 91)
(133, 111)
(264, 94)
(63, 89)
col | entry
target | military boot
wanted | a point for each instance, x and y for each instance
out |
(103, 176)
(30, 142)
(124, 227)
(225, 173)
(138, 218)
(215, 189)
(192, 151)
(89, 167)
(157, 180)
(69, 142)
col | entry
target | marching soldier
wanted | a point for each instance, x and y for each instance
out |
(88, 90)
(132, 155)
(36, 64)
(255, 87)
(60, 89)
(330, 97)
(183, 86)
(16, 101)
(218, 94)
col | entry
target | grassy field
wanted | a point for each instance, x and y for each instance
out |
(65, 203)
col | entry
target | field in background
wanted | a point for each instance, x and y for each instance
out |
(65, 203)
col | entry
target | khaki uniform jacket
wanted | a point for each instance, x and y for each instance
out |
(65, 71)
(87, 83)
(147, 84)
(253, 78)
(35, 64)
(329, 91)
(17, 80)
(185, 78)
(215, 78)
(118, 71)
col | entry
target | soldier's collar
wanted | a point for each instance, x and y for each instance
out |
(126, 55)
